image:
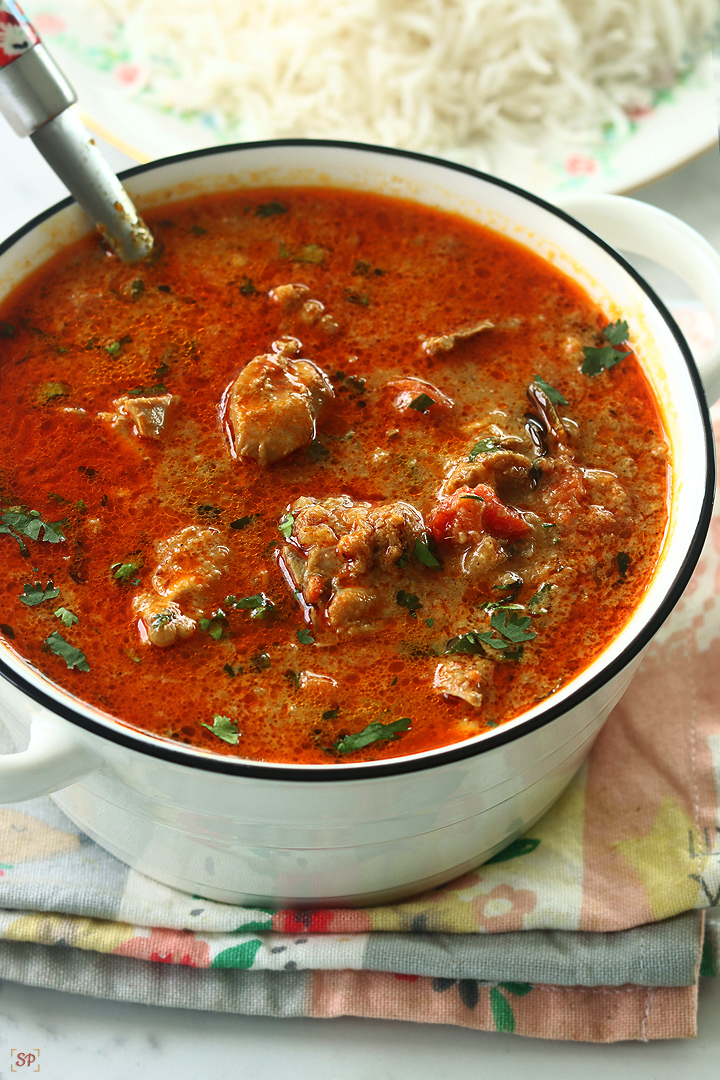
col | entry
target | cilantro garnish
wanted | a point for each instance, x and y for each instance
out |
(114, 347)
(286, 525)
(484, 446)
(294, 677)
(316, 451)
(225, 729)
(243, 522)
(421, 403)
(229, 671)
(259, 606)
(512, 626)
(30, 524)
(505, 622)
(360, 298)
(214, 625)
(32, 595)
(540, 597)
(550, 392)
(270, 209)
(331, 714)
(73, 657)
(68, 617)
(623, 562)
(197, 230)
(7, 330)
(424, 555)
(374, 732)
(125, 571)
(429, 622)
(606, 357)
(247, 288)
(305, 637)
(409, 601)
(473, 641)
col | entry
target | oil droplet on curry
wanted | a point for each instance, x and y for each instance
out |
(337, 477)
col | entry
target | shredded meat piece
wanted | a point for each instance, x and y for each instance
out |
(342, 556)
(290, 297)
(274, 405)
(189, 562)
(464, 679)
(444, 342)
(149, 414)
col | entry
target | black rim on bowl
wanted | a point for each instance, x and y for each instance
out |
(164, 750)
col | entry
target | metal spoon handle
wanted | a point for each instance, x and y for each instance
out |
(36, 100)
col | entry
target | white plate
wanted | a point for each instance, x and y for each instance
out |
(681, 125)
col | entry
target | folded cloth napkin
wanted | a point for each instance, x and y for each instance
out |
(588, 928)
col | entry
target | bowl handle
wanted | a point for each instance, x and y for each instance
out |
(53, 760)
(646, 230)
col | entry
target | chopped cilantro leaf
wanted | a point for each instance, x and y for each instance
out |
(429, 622)
(331, 714)
(214, 626)
(286, 525)
(394, 682)
(243, 522)
(483, 446)
(125, 571)
(424, 555)
(421, 403)
(623, 563)
(73, 657)
(316, 451)
(550, 392)
(197, 230)
(225, 729)
(539, 600)
(7, 330)
(68, 617)
(294, 677)
(229, 671)
(512, 626)
(259, 606)
(270, 209)
(374, 732)
(305, 637)
(29, 524)
(606, 357)
(114, 347)
(409, 601)
(147, 391)
(32, 595)
(247, 288)
(360, 298)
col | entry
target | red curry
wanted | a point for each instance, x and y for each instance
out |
(336, 477)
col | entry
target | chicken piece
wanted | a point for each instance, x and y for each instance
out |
(494, 467)
(189, 562)
(149, 414)
(311, 311)
(274, 405)
(464, 679)
(444, 342)
(342, 556)
(290, 297)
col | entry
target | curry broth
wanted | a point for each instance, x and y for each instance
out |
(589, 513)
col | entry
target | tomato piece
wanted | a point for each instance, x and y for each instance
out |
(476, 510)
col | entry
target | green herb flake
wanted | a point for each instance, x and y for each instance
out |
(137, 287)
(539, 600)
(512, 626)
(483, 446)
(550, 392)
(316, 451)
(424, 555)
(68, 617)
(421, 403)
(596, 360)
(214, 626)
(409, 601)
(7, 330)
(331, 714)
(225, 729)
(125, 571)
(429, 622)
(373, 733)
(293, 677)
(305, 637)
(30, 524)
(229, 671)
(243, 522)
(360, 298)
(471, 498)
(197, 230)
(147, 391)
(394, 682)
(259, 606)
(73, 657)
(260, 662)
(623, 563)
(113, 348)
(247, 288)
(7, 630)
(271, 209)
(286, 525)
(32, 595)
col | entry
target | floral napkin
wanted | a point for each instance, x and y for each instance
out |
(590, 928)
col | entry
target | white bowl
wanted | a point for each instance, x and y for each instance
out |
(266, 834)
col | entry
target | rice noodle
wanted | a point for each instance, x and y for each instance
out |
(444, 76)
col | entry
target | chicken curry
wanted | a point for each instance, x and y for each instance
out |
(336, 477)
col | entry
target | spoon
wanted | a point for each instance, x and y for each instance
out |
(37, 100)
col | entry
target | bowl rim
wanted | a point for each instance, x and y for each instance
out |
(189, 757)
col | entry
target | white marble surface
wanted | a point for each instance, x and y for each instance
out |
(86, 1039)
